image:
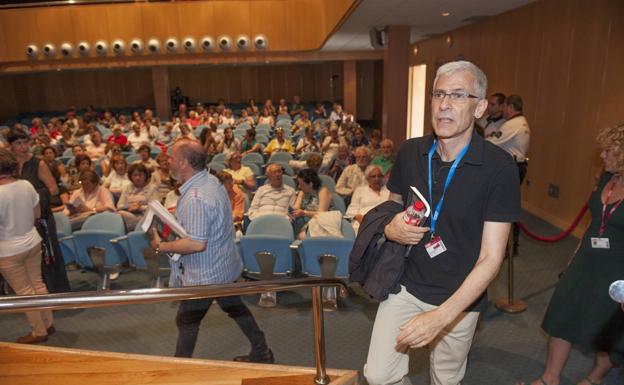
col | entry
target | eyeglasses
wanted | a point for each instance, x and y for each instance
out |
(454, 96)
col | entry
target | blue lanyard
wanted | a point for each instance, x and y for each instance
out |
(449, 177)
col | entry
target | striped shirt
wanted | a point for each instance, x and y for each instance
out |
(204, 211)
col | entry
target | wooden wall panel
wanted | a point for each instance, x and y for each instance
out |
(124, 21)
(301, 25)
(8, 102)
(160, 21)
(564, 58)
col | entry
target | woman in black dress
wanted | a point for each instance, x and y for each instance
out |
(580, 312)
(39, 175)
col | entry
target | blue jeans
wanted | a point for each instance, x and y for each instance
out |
(191, 313)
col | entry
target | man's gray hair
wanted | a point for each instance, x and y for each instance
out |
(480, 84)
(193, 153)
(369, 170)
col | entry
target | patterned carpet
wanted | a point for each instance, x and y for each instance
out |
(507, 348)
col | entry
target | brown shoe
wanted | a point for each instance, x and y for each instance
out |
(31, 339)
(51, 330)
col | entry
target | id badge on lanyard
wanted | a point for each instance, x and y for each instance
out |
(436, 246)
(601, 242)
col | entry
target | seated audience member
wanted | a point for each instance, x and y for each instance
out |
(185, 132)
(208, 142)
(20, 244)
(343, 159)
(87, 139)
(268, 104)
(359, 139)
(161, 177)
(166, 136)
(229, 144)
(353, 175)
(56, 166)
(118, 137)
(308, 143)
(266, 117)
(77, 149)
(194, 119)
(82, 163)
(97, 148)
(90, 199)
(135, 196)
(137, 138)
(243, 175)
(37, 127)
(235, 195)
(366, 197)
(227, 117)
(385, 158)
(296, 108)
(311, 199)
(117, 179)
(337, 113)
(245, 118)
(314, 162)
(279, 143)
(274, 197)
(319, 111)
(330, 145)
(249, 143)
(112, 150)
(375, 142)
(282, 107)
(67, 138)
(145, 151)
(302, 123)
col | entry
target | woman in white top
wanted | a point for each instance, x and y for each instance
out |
(367, 197)
(20, 244)
(117, 179)
(134, 198)
(90, 198)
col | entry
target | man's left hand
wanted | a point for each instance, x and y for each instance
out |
(421, 329)
(155, 241)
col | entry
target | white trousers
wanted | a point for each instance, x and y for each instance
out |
(387, 364)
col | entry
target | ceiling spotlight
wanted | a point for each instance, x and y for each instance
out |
(225, 43)
(445, 14)
(189, 44)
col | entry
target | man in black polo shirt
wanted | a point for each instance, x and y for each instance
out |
(474, 197)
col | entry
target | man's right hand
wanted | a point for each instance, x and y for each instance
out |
(400, 232)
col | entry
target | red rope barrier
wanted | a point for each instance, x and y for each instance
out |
(559, 236)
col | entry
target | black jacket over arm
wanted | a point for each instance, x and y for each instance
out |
(376, 263)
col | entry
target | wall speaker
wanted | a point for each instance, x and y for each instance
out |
(378, 38)
(119, 46)
(242, 42)
(101, 48)
(225, 43)
(32, 50)
(207, 43)
(171, 44)
(136, 45)
(189, 44)
(84, 48)
(261, 42)
(49, 50)
(153, 45)
(67, 49)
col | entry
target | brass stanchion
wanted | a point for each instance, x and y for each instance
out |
(509, 304)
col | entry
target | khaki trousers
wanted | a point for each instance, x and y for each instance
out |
(23, 273)
(386, 365)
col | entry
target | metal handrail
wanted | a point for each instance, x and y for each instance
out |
(92, 299)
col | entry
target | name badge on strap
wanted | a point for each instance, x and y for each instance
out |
(600, 243)
(435, 247)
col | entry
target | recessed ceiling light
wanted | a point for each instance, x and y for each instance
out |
(445, 14)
